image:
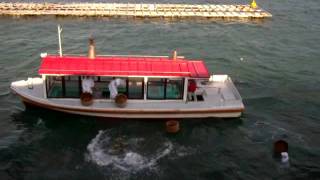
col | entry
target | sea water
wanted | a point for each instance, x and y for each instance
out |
(274, 63)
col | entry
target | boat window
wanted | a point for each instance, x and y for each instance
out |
(72, 87)
(135, 88)
(122, 88)
(101, 87)
(156, 88)
(104, 79)
(174, 89)
(54, 86)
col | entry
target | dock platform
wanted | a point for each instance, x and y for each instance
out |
(133, 10)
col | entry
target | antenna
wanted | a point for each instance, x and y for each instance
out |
(59, 37)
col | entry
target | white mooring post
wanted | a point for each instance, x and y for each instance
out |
(59, 37)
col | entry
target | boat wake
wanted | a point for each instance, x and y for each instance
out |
(126, 154)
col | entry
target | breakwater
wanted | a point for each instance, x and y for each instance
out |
(133, 10)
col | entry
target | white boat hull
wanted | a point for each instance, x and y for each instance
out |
(148, 114)
(135, 109)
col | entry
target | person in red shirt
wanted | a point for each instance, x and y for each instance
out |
(192, 87)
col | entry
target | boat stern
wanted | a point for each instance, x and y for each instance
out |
(222, 93)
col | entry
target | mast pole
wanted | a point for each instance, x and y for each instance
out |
(59, 37)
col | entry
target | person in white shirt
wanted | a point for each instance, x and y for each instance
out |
(87, 84)
(113, 87)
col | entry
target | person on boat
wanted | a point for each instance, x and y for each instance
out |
(87, 84)
(192, 87)
(113, 87)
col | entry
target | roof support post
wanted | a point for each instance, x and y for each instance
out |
(63, 83)
(185, 89)
(145, 88)
(44, 82)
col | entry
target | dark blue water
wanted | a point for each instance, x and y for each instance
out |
(275, 65)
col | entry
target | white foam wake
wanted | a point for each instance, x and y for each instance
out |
(126, 154)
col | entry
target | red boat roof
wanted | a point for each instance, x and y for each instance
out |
(123, 66)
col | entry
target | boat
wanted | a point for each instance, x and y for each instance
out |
(130, 86)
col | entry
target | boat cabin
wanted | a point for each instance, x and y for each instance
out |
(143, 78)
(147, 86)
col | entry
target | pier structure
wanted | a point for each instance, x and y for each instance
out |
(134, 10)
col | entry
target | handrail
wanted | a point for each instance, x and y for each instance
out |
(121, 55)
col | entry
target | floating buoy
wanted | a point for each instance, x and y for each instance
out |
(280, 151)
(172, 126)
(279, 147)
(253, 4)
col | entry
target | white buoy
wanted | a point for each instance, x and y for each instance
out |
(284, 157)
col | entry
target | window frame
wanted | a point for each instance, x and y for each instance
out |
(52, 80)
(79, 86)
(142, 87)
(182, 88)
(164, 89)
(165, 86)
